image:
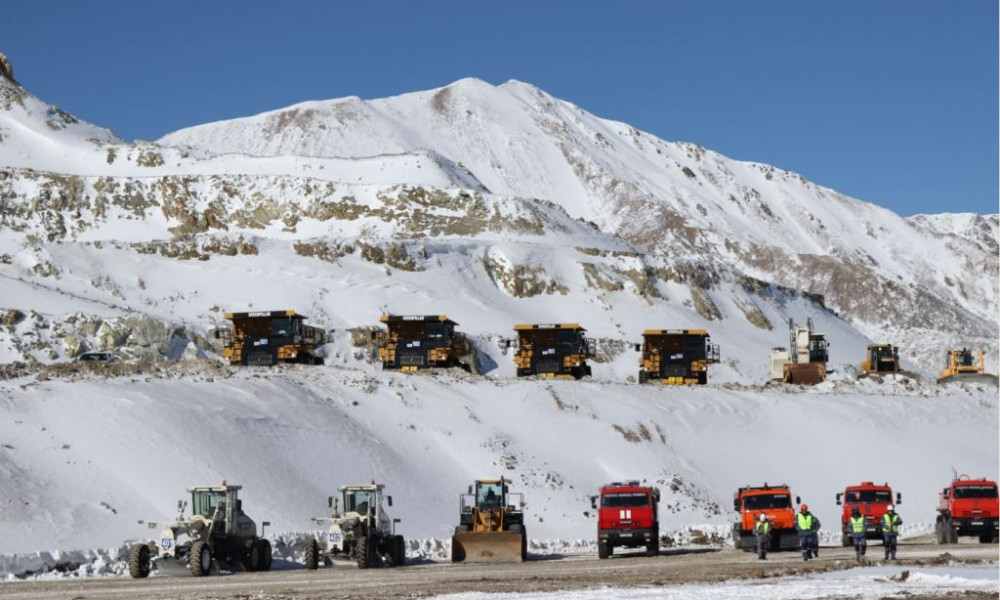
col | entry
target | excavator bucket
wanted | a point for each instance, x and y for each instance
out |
(805, 374)
(488, 547)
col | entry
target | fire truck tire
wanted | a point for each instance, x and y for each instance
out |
(653, 547)
(603, 550)
(986, 538)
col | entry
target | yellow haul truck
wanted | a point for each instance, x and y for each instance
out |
(410, 343)
(552, 350)
(269, 337)
(676, 357)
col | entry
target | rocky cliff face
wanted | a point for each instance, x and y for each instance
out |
(527, 206)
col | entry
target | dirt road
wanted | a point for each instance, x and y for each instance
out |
(541, 574)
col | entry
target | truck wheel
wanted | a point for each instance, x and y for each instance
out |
(200, 559)
(603, 550)
(138, 561)
(653, 547)
(939, 533)
(363, 553)
(643, 376)
(311, 556)
(951, 532)
(986, 538)
(265, 555)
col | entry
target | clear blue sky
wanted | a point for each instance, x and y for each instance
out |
(891, 101)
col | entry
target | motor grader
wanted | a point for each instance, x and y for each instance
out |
(217, 531)
(558, 351)
(268, 337)
(491, 525)
(411, 343)
(962, 365)
(362, 532)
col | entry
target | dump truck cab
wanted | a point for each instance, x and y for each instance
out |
(491, 524)
(676, 357)
(880, 358)
(627, 516)
(775, 501)
(968, 507)
(552, 350)
(871, 500)
(414, 342)
(268, 337)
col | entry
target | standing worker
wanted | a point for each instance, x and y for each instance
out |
(890, 531)
(763, 532)
(808, 527)
(857, 528)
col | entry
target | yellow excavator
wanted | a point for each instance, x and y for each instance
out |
(491, 525)
(961, 365)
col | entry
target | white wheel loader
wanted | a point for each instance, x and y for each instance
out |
(217, 531)
(363, 532)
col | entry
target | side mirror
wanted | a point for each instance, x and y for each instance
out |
(736, 504)
(899, 498)
(394, 521)
(798, 500)
(217, 334)
(389, 500)
(593, 502)
(838, 499)
(507, 344)
(180, 505)
(329, 501)
(470, 490)
(264, 525)
(373, 336)
(638, 347)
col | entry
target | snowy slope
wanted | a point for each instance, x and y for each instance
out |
(291, 436)
(674, 198)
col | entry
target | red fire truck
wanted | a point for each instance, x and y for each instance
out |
(871, 501)
(968, 507)
(627, 517)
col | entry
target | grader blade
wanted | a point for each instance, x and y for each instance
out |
(487, 547)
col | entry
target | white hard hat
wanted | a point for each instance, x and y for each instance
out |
(890, 507)
(763, 517)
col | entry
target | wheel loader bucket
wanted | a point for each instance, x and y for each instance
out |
(487, 547)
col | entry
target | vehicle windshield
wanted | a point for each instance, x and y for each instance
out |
(489, 495)
(624, 499)
(868, 497)
(206, 502)
(975, 491)
(359, 501)
(435, 331)
(568, 337)
(282, 327)
(765, 501)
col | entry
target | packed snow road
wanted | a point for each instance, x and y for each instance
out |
(544, 574)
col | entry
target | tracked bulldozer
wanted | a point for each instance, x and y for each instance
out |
(491, 525)
(411, 343)
(804, 362)
(961, 365)
(880, 359)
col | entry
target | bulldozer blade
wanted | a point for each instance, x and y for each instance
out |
(487, 547)
(986, 378)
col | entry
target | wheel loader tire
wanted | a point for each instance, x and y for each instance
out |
(311, 555)
(200, 559)
(363, 552)
(138, 561)
(265, 554)
(603, 550)
(400, 548)
(251, 559)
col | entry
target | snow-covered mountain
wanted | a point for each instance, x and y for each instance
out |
(495, 205)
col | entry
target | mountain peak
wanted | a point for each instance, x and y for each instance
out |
(6, 69)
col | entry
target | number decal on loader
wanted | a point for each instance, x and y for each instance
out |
(166, 543)
(334, 538)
